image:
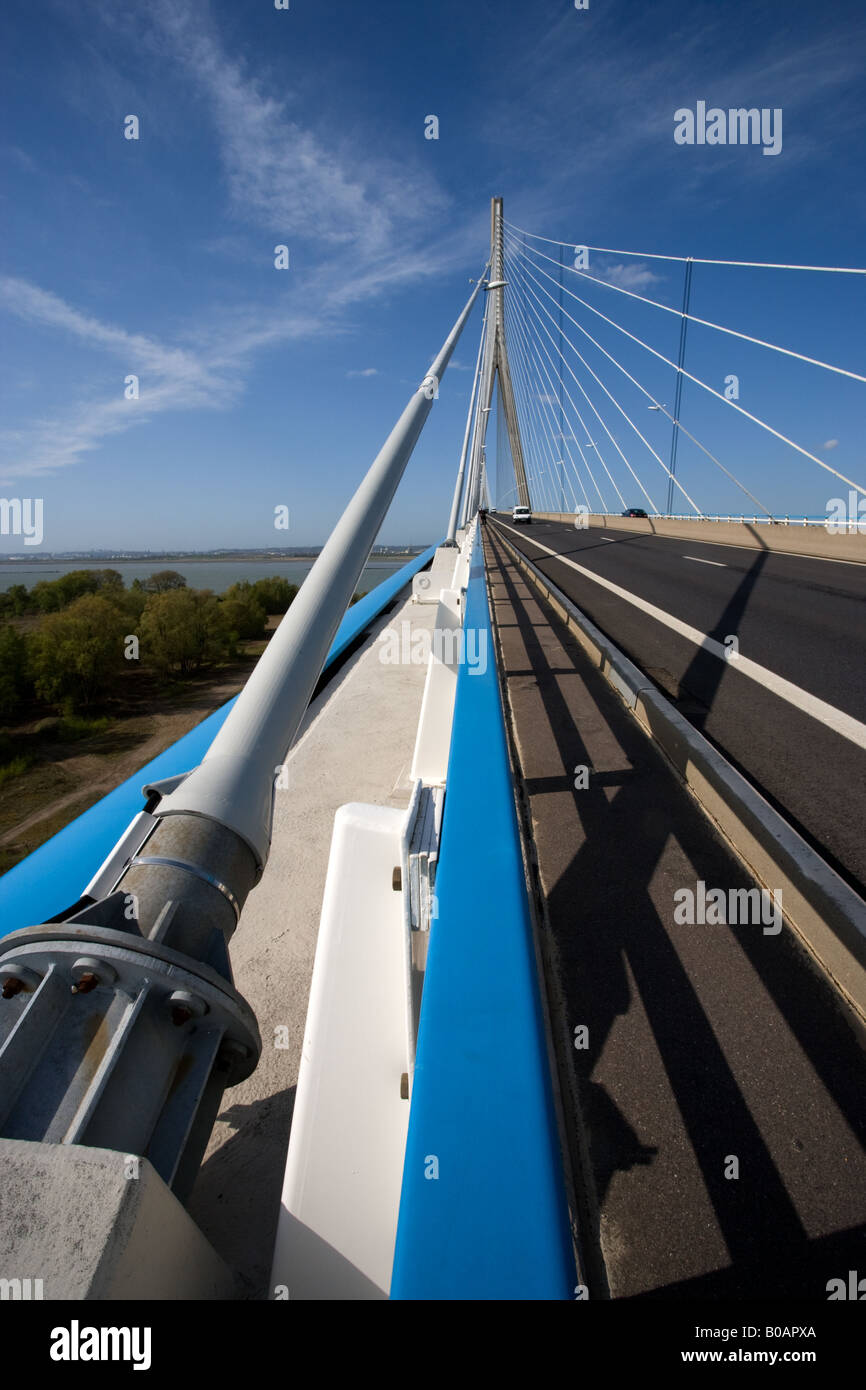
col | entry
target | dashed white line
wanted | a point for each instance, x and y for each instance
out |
(698, 561)
(826, 714)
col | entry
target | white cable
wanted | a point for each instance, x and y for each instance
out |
(660, 407)
(596, 412)
(571, 460)
(583, 456)
(532, 408)
(601, 421)
(534, 425)
(525, 424)
(660, 355)
(698, 260)
(622, 412)
(693, 318)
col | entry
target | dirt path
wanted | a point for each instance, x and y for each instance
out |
(94, 774)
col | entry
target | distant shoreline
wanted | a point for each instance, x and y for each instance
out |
(200, 558)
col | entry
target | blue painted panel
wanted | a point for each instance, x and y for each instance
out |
(494, 1223)
(53, 876)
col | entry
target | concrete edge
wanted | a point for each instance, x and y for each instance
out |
(827, 916)
(815, 542)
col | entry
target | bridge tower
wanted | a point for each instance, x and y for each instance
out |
(497, 363)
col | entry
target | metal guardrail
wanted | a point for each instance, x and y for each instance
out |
(483, 1211)
(120, 1026)
(852, 526)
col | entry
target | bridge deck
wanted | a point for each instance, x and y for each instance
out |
(356, 744)
(799, 617)
(705, 1042)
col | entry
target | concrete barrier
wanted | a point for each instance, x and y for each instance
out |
(794, 540)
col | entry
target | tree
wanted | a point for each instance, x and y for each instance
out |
(163, 581)
(19, 599)
(108, 581)
(246, 619)
(275, 594)
(51, 595)
(13, 671)
(77, 654)
(182, 629)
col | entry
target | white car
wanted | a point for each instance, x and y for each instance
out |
(522, 514)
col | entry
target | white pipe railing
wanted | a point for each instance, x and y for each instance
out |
(234, 784)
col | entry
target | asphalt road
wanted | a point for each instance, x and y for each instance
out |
(802, 620)
(713, 1105)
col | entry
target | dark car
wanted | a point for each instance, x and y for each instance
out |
(636, 511)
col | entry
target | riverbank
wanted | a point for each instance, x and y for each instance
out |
(62, 766)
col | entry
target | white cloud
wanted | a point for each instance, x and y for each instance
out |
(171, 378)
(365, 371)
(292, 178)
(633, 276)
(831, 444)
(366, 222)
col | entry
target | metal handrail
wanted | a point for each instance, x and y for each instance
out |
(233, 785)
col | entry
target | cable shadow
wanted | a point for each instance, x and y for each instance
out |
(705, 672)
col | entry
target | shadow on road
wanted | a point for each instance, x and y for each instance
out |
(610, 923)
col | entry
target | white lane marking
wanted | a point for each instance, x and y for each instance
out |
(698, 561)
(826, 714)
(610, 540)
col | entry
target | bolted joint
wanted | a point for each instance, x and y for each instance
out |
(185, 1006)
(17, 979)
(88, 972)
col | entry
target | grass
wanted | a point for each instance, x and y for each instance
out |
(53, 757)
(15, 767)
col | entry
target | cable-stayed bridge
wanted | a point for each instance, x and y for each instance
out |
(541, 866)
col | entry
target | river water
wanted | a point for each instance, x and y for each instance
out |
(217, 575)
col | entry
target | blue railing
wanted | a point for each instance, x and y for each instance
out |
(483, 1212)
(52, 878)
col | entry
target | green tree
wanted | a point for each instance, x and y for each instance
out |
(245, 618)
(275, 594)
(108, 581)
(13, 672)
(45, 596)
(20, 600)
(78, 653)
(163, 581)
(182, 629)
(51, 595)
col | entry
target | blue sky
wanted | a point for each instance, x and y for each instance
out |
(261, 387)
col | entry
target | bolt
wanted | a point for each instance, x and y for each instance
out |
(11, 987)
(85, 983)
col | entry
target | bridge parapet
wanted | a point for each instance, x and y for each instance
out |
(751, 535)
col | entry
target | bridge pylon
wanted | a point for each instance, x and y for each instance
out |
(498, 357)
